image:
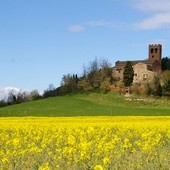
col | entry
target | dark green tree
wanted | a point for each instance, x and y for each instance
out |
(3, 103)
(158, 87)
(165, 63)
(128, 74)
(166, 82)
(69, 83)
(50, 91)
(166, 89)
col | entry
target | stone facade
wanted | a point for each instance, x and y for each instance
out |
(142, 74)
(144, 70)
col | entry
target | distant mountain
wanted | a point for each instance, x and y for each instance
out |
(4, 91)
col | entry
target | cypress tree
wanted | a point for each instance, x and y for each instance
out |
(128, 74)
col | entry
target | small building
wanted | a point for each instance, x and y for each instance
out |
(144, 70)
(143, 73)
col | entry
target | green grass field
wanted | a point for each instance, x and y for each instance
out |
(89, 104)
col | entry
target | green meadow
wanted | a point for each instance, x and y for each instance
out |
(90, 104)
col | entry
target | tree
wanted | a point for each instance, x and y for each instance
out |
(17, 97)
(34, 95)
(158, 87)
(84, 84)
(105, 84)
(165, 63)
(165, 77)
(106, 71)
(12, 98)
(93, 73)
(3, 103)
(128, 74)
(69, 83)
(97, 75)
(105, 75)
(166, 82)
(166, 88)
(50, 91)
(149, 90)
(21, 97)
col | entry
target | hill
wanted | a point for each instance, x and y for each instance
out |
(89, 104)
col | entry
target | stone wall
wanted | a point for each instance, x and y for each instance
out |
(142, 74)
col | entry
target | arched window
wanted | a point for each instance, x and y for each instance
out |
(152, 50)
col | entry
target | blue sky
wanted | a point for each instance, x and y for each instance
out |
(42, 40)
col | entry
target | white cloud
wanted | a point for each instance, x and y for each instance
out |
(156, 21)
(4, 91)
(159, 14)
(76, 28)
(153, 5)
(106, 24)
(96, 23)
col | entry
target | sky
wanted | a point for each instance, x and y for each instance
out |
(42, 40)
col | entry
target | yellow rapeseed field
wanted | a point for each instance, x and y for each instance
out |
(85, 143)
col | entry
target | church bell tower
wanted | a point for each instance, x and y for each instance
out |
(155, 56)
(155, 52)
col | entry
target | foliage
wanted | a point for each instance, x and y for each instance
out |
(105, 84)
(50, 92)
(128, 74)
(157, 86)
(84, 84)
(97, 75)
(165, 63)
(70, 81)
(138, 90)
(166, 88)
(120, 83)
(95, 143)
(16, 98)
(34, 95)
(3, 103)
(20, 97)
(69, 84)
(165, 77)
(149, 90)
(160, 86)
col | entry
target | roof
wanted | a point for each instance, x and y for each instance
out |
(121, 64)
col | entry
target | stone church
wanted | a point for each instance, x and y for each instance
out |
(144, 70)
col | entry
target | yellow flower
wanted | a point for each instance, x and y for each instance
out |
(106, 161)
(5, 160)
(44, 166)
(71, 140)
(98, 167)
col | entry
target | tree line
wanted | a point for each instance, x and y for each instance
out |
(20, 97)
(160, 85)
(97, 75)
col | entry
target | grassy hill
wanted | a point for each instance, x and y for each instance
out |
(90, 104)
